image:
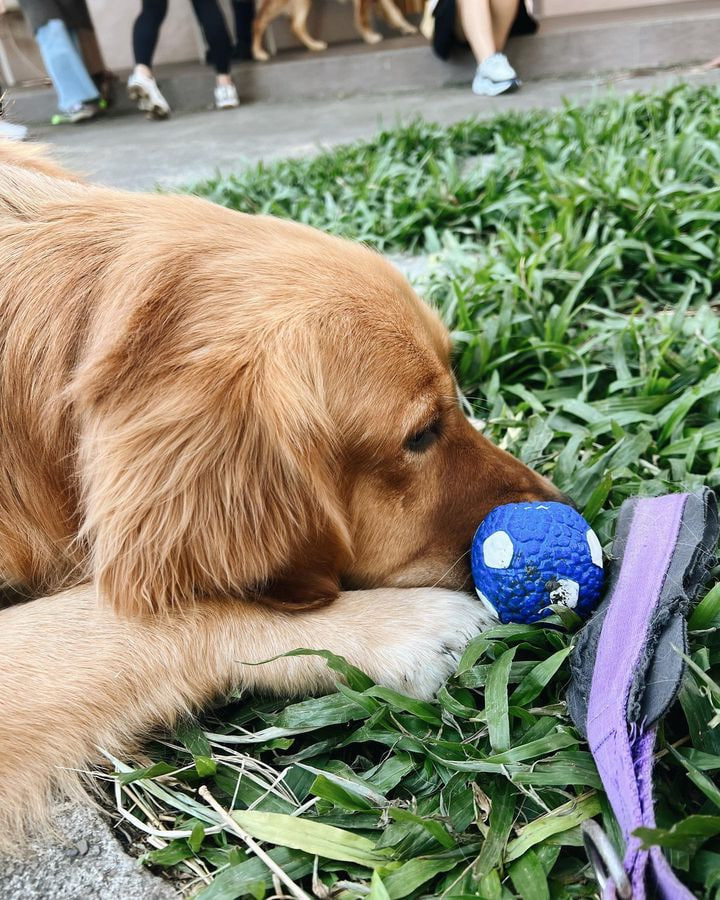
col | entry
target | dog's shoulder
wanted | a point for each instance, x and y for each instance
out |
(35, 158)
(30, 181)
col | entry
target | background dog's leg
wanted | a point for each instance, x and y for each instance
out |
(363, 9)
(298, 21)
(75, 677)
(267, 11)
(396, 18)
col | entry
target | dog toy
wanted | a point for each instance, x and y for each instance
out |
(526, 557)
(627, 668)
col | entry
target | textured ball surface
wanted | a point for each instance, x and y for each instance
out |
(527, 556)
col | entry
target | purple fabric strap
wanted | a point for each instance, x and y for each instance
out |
(624, 754)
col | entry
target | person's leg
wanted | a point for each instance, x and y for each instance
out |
(146, 31)
(482, 30)
(216, 34)
(477, 24)
(141, 84)
(244, 12)
(65, 66)
(105, 80)
(503, 13)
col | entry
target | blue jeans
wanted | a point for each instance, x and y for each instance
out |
(65, 65)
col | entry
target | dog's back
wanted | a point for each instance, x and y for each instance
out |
(38, 342)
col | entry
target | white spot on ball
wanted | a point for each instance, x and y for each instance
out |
(486, 603)
(498, 550)
(595, 548)
(566, 592)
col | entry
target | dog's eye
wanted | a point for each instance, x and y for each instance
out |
(421, 440)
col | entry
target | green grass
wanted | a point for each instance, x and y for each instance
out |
(575, 257)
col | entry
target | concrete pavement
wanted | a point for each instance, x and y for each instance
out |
(132, 152)
(88, 864)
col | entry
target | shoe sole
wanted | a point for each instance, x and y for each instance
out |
(145, 104)
(62, 119)
(483, 87)
(226, 105)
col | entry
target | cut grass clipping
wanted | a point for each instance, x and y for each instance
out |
(575, 256)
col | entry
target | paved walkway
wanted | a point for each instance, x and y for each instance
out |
(87, 864)
(131, 152)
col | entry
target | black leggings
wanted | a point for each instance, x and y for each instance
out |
(147, 28)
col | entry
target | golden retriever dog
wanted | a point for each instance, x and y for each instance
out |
(223, 437)
(298, 11)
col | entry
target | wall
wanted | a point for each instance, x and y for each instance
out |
(574, 7)
(181, 39)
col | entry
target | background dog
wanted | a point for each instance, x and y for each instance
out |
(298, 11)
(212, 454)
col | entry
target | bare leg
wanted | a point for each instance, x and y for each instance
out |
(503, 15)
(477, 24)
(74, 676)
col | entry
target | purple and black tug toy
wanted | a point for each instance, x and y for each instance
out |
(628, 664)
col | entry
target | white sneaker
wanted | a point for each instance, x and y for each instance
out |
(226, 96)
(497, 68)
(12, 132)
(483, 87)
(145, 92)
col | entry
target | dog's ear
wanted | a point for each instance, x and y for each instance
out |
(209, 472)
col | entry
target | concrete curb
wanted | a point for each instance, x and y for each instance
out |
(91, 865)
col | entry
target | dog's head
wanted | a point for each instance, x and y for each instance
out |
(278, 417)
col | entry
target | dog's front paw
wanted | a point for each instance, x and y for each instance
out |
(371, 37)
(317, 46)
(407, 28)
(423, 649)
(260, 55)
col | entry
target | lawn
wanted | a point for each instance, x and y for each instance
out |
(574, 255)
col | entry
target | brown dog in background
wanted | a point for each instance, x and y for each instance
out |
(213, 453)
(298, 11)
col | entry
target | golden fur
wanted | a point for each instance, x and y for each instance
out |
(298, 11)
(204, 423)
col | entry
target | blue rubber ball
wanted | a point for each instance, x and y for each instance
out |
(527, 556)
